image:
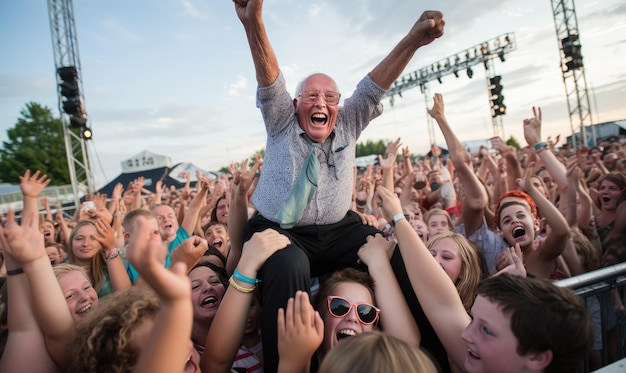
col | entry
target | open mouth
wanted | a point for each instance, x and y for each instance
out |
(217, 244)
(319, 119)
(518, 232)
(345, 333)
(208, 301)
(84, 309)
(606, 199)
(472, 354)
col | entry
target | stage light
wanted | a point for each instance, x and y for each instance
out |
(439, 80)
(456, 73)
(572, 51)
(501, 55)
(78, 121)
(469, 72)
(496, 98)
(69, 89)
(86, 133)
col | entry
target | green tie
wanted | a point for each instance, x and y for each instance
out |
(301, 193)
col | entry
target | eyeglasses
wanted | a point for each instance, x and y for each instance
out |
(310, 97)
(339, 307)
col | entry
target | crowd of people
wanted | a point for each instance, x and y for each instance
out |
(303, 262)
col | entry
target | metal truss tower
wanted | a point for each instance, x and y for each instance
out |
(483, 53)
(573, 72)
(66, 58)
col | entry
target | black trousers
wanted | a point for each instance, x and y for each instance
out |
(317, 250)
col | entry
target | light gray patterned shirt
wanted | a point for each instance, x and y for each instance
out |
(287, 147)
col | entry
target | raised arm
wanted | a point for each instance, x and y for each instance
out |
(508, 153)
(193, 212)
(475, 196)
(24, 243)
(532, 134)
(559, 234)
(46, 205)
(115, 266)
(238, 212)
(388, 162)
(168, 346)
(395, 315)
(64, 230)
(229, 323)
(300, 333)
(436, 293)
(250, 13)
(25, 349)
(427, 28)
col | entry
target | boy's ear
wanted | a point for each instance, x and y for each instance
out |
(538, 361)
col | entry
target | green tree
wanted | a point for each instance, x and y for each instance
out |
(370, 147)
(35, 143)
(512, 141)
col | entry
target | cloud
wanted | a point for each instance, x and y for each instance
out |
(191, 8)
(234, 89)
(14, 85)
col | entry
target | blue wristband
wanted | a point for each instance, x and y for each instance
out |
(541, 145)
(248, 280)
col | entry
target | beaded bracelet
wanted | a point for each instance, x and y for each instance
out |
(114, 253)
(248, 280)
(240, 288)
(16, 271)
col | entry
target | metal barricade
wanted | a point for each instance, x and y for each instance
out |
(595, 288)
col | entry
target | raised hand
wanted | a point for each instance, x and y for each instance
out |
(143, 253)
(501, 146)
(300, 333)
(104, 235)
(190, 251)
(248, 10)
(376, 249)
(117, 192)
(511, 261)
(260, 247)
(437, 111)
(23, 242)
(526, 183)
(33, 185)
(428, 27)
(139, 183)
(390, 154)
(367, 219)
(573, 172)
(390, 203)
(242, 176)
(258, 159)
(532, 128)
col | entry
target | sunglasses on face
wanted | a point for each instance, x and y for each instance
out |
(339, 307)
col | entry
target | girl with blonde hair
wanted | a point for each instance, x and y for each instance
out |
(376, 351)
(462, 261)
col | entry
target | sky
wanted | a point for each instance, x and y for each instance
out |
(175, 77)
